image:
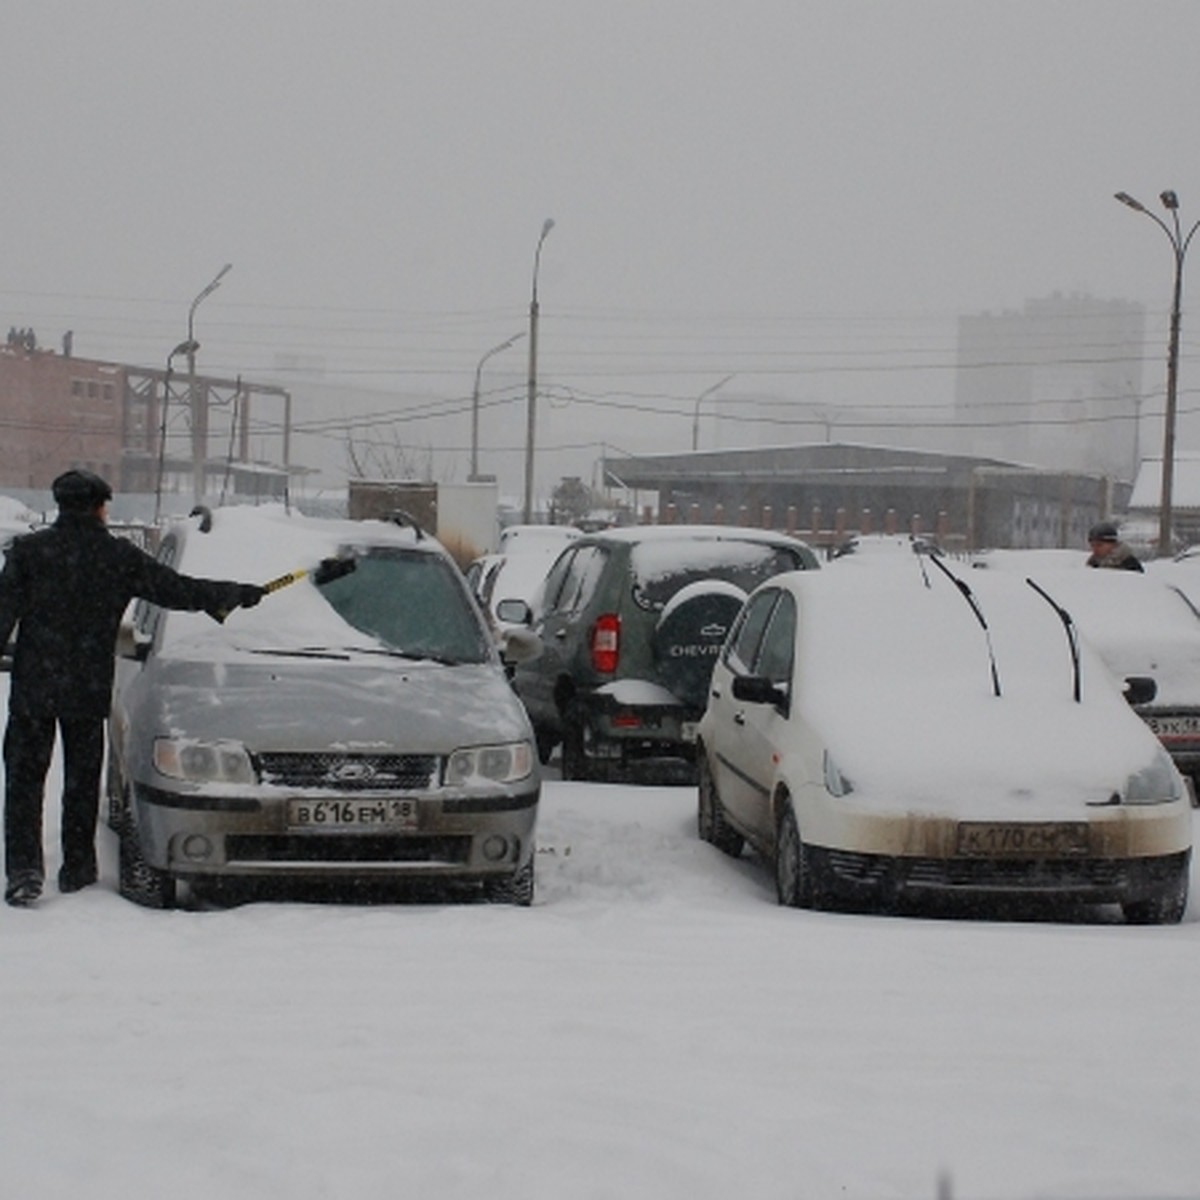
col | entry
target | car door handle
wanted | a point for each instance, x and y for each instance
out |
(560, 634)
(739, 718)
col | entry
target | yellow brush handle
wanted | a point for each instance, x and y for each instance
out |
(283, 581)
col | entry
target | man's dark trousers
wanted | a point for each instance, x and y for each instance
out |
(28, 746)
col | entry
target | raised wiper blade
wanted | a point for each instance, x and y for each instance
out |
(969, 596)
(1069, 626)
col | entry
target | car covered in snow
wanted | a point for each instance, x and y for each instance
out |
(881, 734)
(355, 726)
(630, 622)
(1141, 625)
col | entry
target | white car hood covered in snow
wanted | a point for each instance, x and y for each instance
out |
(895, 678)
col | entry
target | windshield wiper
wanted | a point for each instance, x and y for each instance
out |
(304, 652)
(409, 655)
(969, 596)
(1068, 625)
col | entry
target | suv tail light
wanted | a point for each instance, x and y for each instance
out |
(606, 643)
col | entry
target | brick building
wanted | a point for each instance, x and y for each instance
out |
(58, 412)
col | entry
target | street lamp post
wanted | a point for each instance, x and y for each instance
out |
(531, 406)
(199, 410)
(1179, 247)
(696, 414)
(188, 347)
(475, 403)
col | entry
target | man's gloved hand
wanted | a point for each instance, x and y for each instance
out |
(249, 594)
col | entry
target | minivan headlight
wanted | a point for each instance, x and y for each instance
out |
(202, 762)
(1155, 783)
(505, 763)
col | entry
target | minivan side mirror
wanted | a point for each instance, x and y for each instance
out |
(1140, 689)
(755, 689)
(514, 612)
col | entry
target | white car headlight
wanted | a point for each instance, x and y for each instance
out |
(203, 762)
(1156, 783)
(490, 764)
(836, 784)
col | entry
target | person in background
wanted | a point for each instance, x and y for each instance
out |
(64, 589)
(1109, 551)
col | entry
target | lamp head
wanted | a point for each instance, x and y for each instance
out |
(1169, 199)
(1127, 199)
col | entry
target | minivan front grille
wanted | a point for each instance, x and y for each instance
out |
(316, 849)
(350, 772)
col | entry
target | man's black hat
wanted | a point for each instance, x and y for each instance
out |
(80, 491)
(1105, 531)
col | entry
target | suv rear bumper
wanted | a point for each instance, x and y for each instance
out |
(622, 734)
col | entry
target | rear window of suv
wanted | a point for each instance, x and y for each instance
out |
(661, 568)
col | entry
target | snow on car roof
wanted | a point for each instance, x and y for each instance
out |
(675, 533)
(896, 678)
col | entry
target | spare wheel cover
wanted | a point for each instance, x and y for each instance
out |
(690, 634)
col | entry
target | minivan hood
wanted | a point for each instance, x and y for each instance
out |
(314, 704)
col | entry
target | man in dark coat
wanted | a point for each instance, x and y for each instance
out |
(65, 589)
(1109, 551)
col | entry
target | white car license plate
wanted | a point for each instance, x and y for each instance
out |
(1022, 839)
(352, 814)
(1175, 726)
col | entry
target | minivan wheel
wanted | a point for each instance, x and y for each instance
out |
(516, 888)
(137, 879)
(793, 864)
(711, 823)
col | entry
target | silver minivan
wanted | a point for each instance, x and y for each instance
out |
(355, 726)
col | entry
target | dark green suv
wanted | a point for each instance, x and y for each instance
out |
(631, 621)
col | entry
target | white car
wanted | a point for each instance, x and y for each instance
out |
(881, 734)
(1140, 624)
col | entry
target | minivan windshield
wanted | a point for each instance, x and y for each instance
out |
(412, 602)
(661, 568)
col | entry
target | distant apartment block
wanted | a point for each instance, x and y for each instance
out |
(1057, 384)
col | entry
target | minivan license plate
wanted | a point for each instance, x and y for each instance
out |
(1022, 839)
(352, 814)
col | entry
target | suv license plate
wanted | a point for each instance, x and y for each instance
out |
(687, 731)
(351, 814)
(1022, 839)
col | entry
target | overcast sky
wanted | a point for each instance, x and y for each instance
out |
(801, 195)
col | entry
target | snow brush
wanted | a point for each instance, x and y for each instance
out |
(326, 571)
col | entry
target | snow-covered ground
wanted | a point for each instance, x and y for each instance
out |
(653, 1027)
